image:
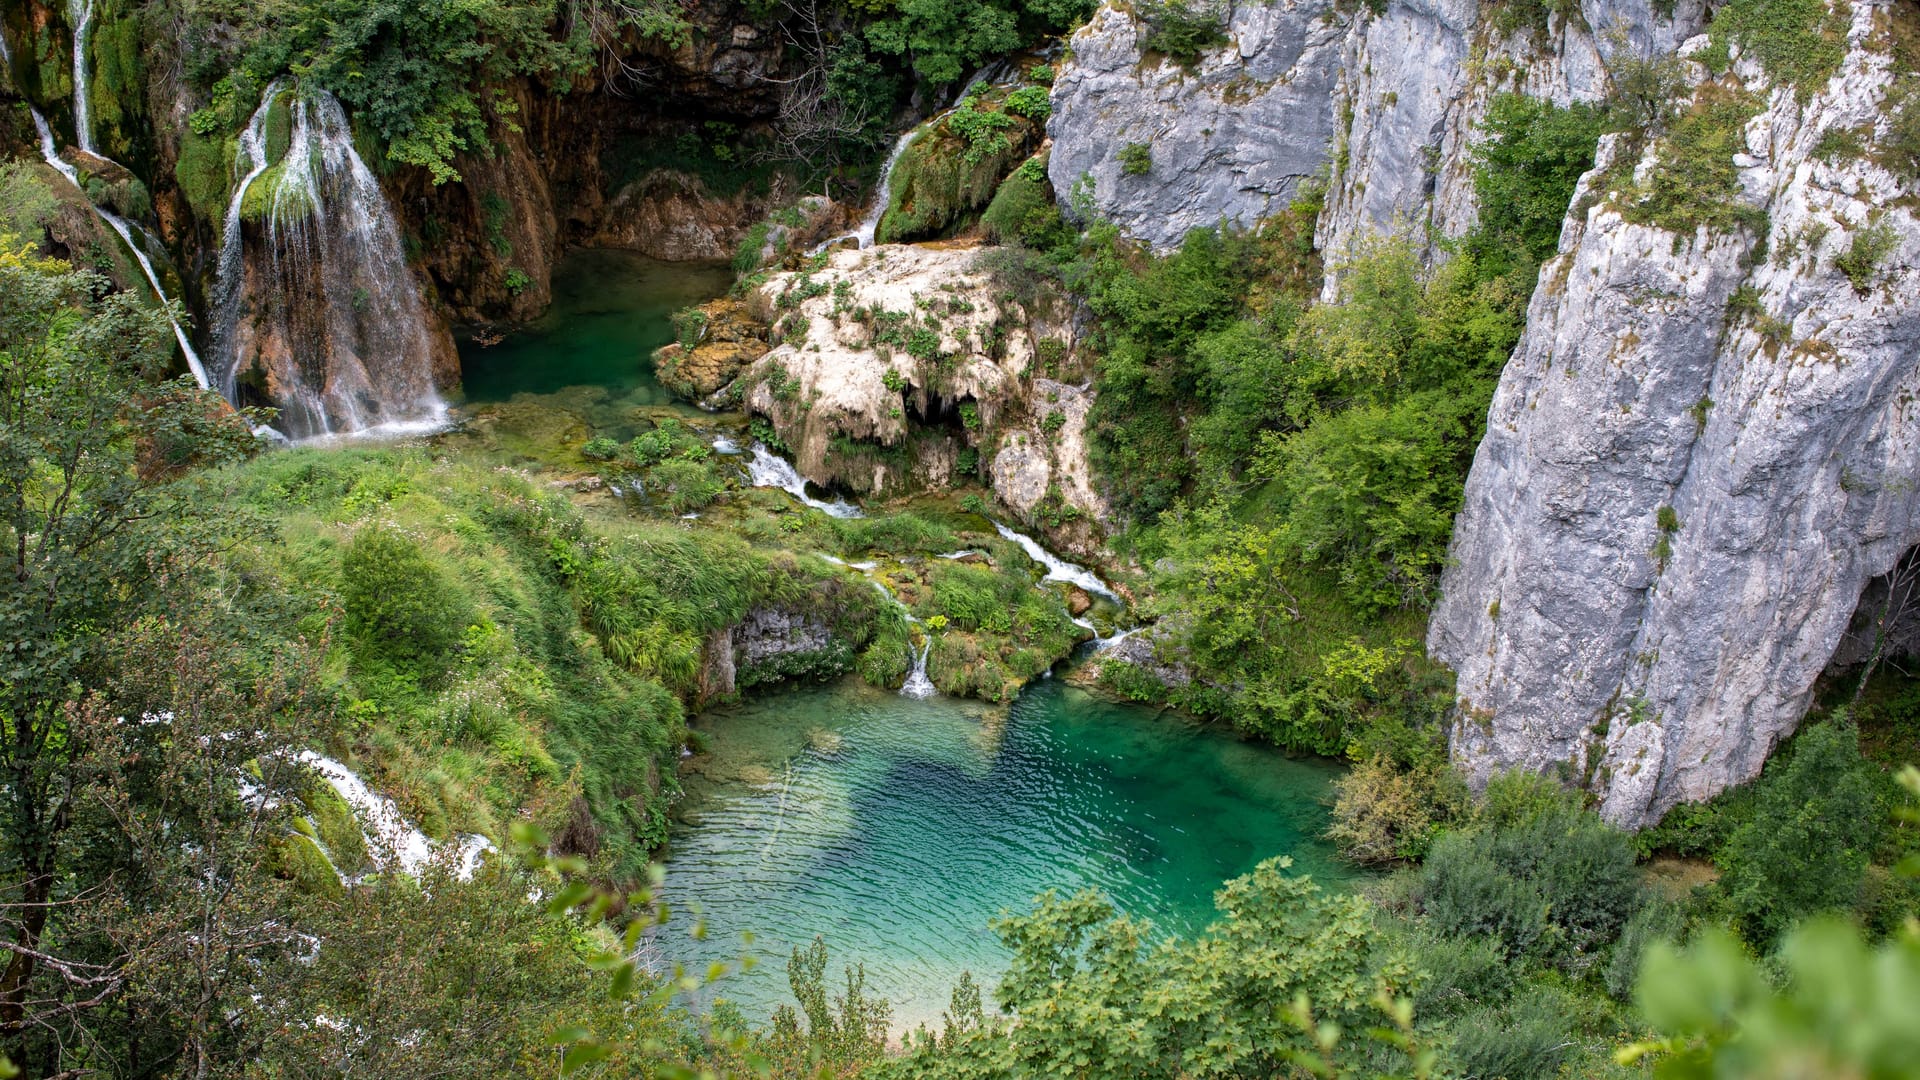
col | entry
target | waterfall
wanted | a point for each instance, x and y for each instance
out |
(770, 470)
(917, 684)
(1058, 569)
(392, 840)
(327, 314)
(80, 14)
(50, 151)
(862, 235)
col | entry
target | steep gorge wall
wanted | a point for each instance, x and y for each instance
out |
(1701, 453)
(1738, 379)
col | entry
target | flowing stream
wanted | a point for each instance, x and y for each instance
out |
(769, 470)
(326, 314)
(50, 152)
(897, 828)
(392, 841)
(1058, 569)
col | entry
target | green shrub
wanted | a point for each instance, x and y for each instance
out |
(1181, 30)
(686, 485)
(1524, 174)
(1798, 42)
(1022, 211)
(600, 448)
(1870, 246)
(1694, 181)
(1136, 159)
(1556, 887)
(1031, 102)
(1657, 920)
(401, 608)
(1816, 822)
(1529, 1036)
(1458, 973)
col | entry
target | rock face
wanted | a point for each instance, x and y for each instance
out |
(1385, 104)
(767, 645)
(1230, 140)
(893, 361)
(1694, 466)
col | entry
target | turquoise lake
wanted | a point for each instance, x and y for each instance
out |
(897, 829)
(610, 310)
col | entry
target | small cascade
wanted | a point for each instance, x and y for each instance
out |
(50, 151)
(326, 315)
(917, 684)
(770, 470)
(1058, 569)
(863, 234)
(80, 14)
(393, 841)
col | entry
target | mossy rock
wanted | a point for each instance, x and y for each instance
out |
(940, 181)
(204, 172)
(264, 199)
(298, 859)
(1022, 202)
(331, 823)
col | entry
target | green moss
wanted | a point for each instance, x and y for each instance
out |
(296, 858)
(943, 178)
(204, 172)
(1022, 209)
(330, 822)
(279, 127)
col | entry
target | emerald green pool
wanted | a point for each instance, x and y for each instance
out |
(898, 828)
(610, 310)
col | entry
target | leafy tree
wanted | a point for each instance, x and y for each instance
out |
(1270, 986)
(1524, 173)
(93, 525)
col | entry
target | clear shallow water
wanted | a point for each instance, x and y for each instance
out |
(610, 310)
(898, 828)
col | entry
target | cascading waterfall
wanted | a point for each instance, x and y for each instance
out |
(1058, 569)
(917, 684)
(326, 316)
(394, 841)
(50, 151)
(80, 14)
(768, 469)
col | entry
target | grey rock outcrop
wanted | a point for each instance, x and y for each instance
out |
(1694, 465)
(1230, 140)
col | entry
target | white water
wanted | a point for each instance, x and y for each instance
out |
(391, 839)
(770, 470)
(1058, 569)
(327, 313)
(50, 151)
(917, 684)
(80, 14)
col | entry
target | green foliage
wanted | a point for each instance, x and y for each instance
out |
(1400, 796)
(1181, 30)
(204, 172)
(1798, 42)
(26, 205)
(1694, 181)
(1031, 102)
(1866, 253)
(400, 609)
(1524, 174)
(1900, 148)
(1136, 159)
(1555, 887)
(952, 169)
(1529, 1035)
(1092, 995)
(944, 39)
(1846, 1009)
(1814, 828)
(428, 78)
